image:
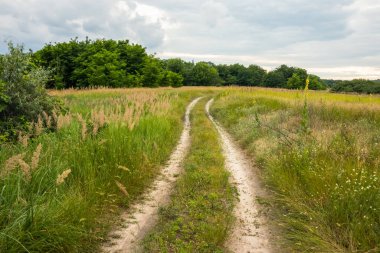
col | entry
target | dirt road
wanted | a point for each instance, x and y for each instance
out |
(142, 216)
(250, 233)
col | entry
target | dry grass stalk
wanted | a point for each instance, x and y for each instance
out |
(38, 127)
(84, 130)
(63, 120)
(23, 139)
(128, 112)
(25, 169)
(123, 168)
(84, 126)
(101, 118)
(12, 163)
(48, 122)
(47, 119)
(36, 157)
(122, 188)
(101, 142)
(59, 122)
(55, 117)
(61, 178)
(95, 129)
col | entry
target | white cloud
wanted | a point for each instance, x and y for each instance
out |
(332, 38)
(37, 22)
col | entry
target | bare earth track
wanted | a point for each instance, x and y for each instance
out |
(250, 233)
(142, 216)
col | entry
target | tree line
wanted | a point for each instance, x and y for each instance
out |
(356, 85)
(92, 63)
(109, 63)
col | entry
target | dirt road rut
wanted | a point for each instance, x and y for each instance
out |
(141, 217)
(250, 233)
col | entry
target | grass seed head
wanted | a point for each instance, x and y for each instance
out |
(12, 163)
(95, 129)
(36, 157)
(25, 169)
(122, 188)
(38, 127)
(23, 139)
(123, 168)
(61, 178)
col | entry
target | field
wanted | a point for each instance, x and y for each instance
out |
(316, 154)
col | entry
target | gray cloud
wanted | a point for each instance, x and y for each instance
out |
(332, 38)
(37, 22)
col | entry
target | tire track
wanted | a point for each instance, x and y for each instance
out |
(250, 233)
(141, 217)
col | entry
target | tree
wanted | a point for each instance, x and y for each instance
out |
(357, 85)
(254, 75)
(274, 79)
(176, 79)
(204, 74)
(152, 72)
(132, 55)
(181, 67)
(175, 65)
(170, 78)
(295, 82)
(80, 64)
(316, 83)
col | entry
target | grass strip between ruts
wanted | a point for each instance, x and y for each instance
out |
(200, 213)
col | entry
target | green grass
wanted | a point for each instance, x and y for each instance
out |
(41, 216)
(326, 184)
(200, 213)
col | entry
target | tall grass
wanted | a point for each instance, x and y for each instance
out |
(326, 183)
(61, 190)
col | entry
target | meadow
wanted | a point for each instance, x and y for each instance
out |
(60, 190)
(63, 189)
(319, 154)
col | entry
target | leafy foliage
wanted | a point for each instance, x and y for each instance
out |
(111, 63)
(97, 63)
(356, 85)
(22, 92)
(204, 74)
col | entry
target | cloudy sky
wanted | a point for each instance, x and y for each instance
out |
(331, 38)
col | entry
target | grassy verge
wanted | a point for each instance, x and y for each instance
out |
(322, 164)
(60, 191)
(200, 212)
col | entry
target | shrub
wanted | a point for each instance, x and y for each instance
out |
(23, 96)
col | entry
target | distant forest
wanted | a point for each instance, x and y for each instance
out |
(94, 63)
(356, 85)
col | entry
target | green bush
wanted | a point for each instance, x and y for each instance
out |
(23, 96)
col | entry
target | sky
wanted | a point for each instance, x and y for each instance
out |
(337, 39)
